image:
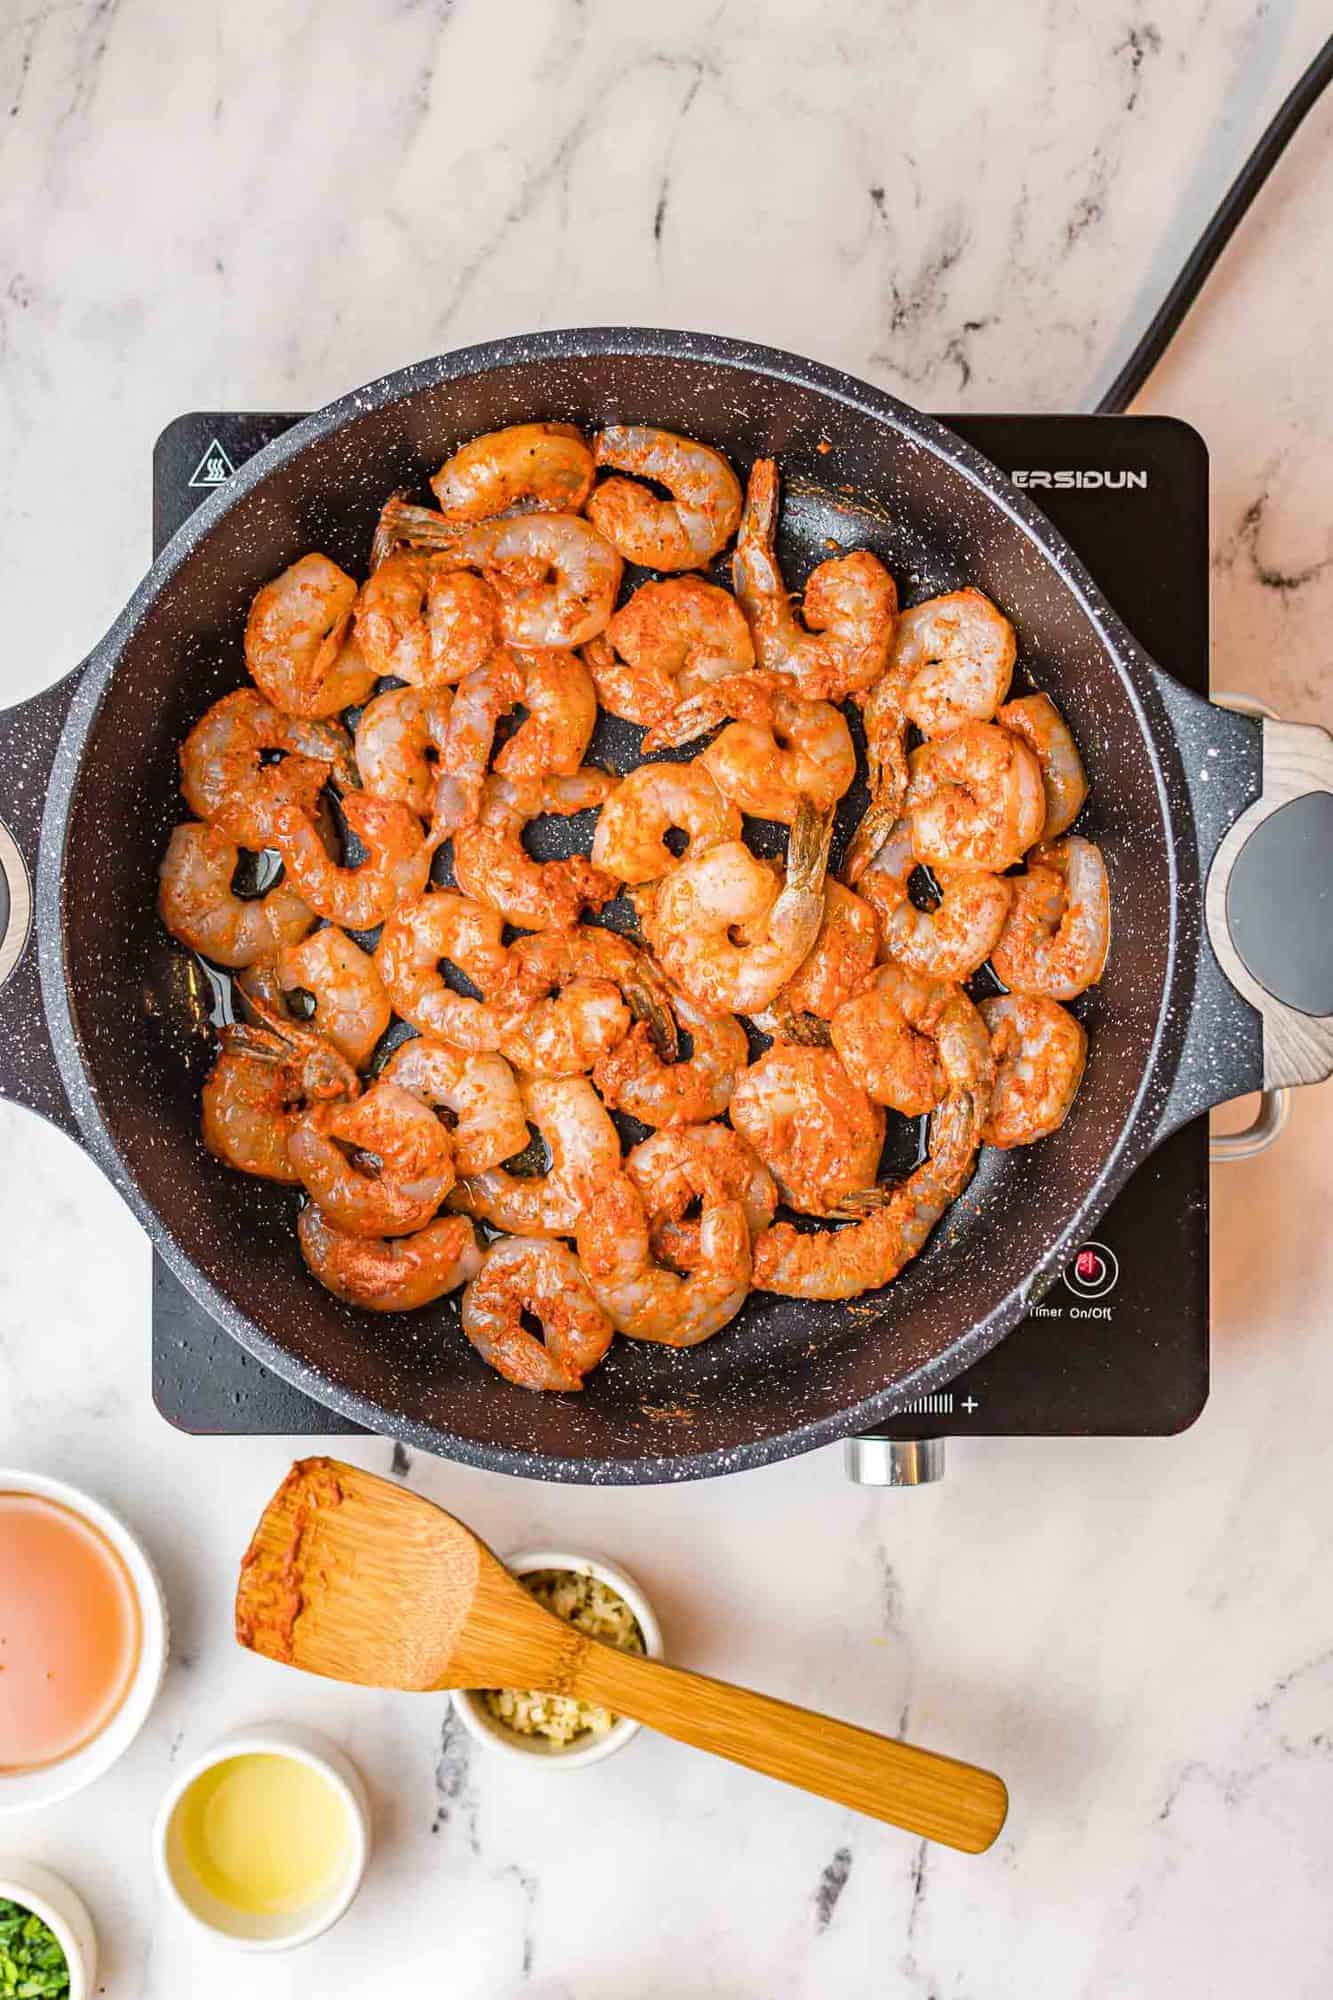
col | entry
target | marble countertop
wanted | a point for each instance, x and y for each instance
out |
(975, 207)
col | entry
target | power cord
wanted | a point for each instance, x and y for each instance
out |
(1166, 320)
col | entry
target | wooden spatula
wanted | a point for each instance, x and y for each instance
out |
(353, 1577)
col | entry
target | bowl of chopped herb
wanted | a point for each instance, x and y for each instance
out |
(48, 1950)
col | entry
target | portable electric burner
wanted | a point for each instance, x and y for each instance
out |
(1119, 1344)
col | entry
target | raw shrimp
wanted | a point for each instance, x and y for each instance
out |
(839, 962)
(841, 1263)
(543, 468)
(953, 939)
(850, 605)
(555, 576)
(225, 778)
(400, 740)
(416, 937)
(683, 532)
(642, 1298)
(887, 774)
(481, 1091)
(635, 1078)
(953, 657)
(543, 1281)
(261, 1081)
(197, 904)
(670, 640)
(653, 801)
(584, 1148)
(424, 622)
(556, 689)
(768, 768)
(298, 646)
(1039, 1053)
(908, 1041)
(348, 1004)
(673, 1170)
(1039, 722)
(479, 703)
(571, 995)
(492, 864)
(394, 871)
(816, 1131)
(975, 799)
(713, 899)
(389, 1273)
(378, 1166)
(1059, 930)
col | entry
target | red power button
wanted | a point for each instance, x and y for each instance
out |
(1088, 1266)
(1092, 1271)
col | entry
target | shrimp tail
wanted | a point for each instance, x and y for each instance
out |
(808, 848)
(402, 524)
(745, 696)
(647, 1006)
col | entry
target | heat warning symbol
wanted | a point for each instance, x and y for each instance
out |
(214, 468)
(1092, 1272)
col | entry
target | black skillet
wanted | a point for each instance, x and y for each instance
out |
(1194, 1008)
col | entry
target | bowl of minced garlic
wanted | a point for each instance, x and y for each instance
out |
(598, 1598)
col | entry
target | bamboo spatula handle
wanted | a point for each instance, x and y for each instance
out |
(927, 1794)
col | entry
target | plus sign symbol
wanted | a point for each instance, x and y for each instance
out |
(1092, 1271)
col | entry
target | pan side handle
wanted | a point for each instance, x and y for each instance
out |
(1261, 793)
(29, 736)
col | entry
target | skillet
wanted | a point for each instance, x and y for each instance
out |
(1217, 831)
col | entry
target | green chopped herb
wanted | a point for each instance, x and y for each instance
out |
(32, 1965)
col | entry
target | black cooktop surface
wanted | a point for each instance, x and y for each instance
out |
(1119, 1345)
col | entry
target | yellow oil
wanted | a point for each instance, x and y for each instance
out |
(266, 1834)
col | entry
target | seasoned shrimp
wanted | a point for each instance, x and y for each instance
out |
(672, 639)
(768, 768)
(1039, 1053)
(394, 871)
(443, 926)
(492, 865)
(673, 1170)
(262, 1080)
(378, 1166)
(712, 900)
(975, 800)
(424, 622)
(816, 1131)
(197, 904)
(298, 646)
(642, 1298)
(653, 801)
(636, 1078)
(544, 1281)
(683, 532)
(839, 961)
(1059, 930)
(908, 1041)
(543, 468)
(953, 939)
(342, 991)
(572, 994)
(842, 1263)
(556, 689)
(481, 1092)
(389, 1273)
(885, 722)
(556, 577)
(953, 657)
(479, 703)
(1039, 722)
(225, 776)
(584, 1148)
(400, 741)
(841, 645)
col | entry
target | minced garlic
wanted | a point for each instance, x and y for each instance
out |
(593, 1607)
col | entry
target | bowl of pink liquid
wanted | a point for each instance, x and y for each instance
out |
(83, 1639)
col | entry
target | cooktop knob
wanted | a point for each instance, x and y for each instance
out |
(882, 1461)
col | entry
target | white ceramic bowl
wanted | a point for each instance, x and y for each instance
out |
(477, 1719)
(209, 1912)
(20, 1791)
(61, 1911)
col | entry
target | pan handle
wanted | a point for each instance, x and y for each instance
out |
(1263, 1012)
(29, 738)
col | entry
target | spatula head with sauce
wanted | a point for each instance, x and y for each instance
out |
(355, 1578)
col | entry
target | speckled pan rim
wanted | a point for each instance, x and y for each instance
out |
(1137, 673)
